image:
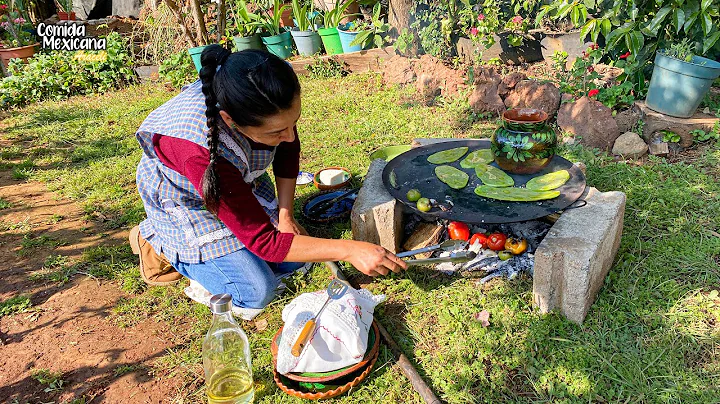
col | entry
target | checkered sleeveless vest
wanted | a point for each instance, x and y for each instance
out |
(177, 223)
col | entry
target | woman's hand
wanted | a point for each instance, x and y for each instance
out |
(374, 260)
(288, 224)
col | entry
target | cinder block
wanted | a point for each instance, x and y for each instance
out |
(572, 261)
(376, 216)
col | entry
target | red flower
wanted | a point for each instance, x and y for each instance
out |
(593, 92)
(625, 55)
(585, 55)
(594, 46)
(517, 19)
(591, 69)
(3, 6)
(473, 31)
(481, 17)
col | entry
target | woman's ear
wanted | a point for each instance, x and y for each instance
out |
(226, 117)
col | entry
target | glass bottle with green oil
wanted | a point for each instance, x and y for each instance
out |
(226, 357)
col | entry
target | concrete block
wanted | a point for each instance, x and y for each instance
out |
(376, 216)
(572, 261)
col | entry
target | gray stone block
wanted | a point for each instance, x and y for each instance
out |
(376, 216)
(572, 261)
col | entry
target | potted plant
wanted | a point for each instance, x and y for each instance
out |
(65, 12)
(369, 35)
(680, 80)
(17, 39)
(329, 34)
(278, 40)
(305, 34)
(246, 27)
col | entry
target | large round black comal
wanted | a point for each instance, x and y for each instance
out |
(412, 170)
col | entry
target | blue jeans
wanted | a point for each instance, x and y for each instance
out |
(250, 280)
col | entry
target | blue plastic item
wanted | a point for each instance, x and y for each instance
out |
(308, 43)
(346, 38)
(677, 87)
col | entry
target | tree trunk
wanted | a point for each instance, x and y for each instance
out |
(221, 20)
(181, 21)
(399, 15)
(199, 17)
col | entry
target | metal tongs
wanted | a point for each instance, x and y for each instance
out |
(447, 245)
(456, 257)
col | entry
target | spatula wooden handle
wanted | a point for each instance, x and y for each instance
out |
(304, 337)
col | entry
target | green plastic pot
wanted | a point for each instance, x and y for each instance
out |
(279, 45)
(677, 87)
(247, 42)
(195, 54)
(331, 40)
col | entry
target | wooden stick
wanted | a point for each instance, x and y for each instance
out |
(405, 365)
(181, 21)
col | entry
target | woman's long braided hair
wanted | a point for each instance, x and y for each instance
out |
(250, 86)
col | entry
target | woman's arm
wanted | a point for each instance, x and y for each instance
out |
(286, 197)
(368, 258)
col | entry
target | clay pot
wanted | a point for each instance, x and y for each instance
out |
(63, 16)
(23, 52)
(525, 144)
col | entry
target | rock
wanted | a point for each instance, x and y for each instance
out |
(661, 149)
(569, 42)
(398, 70)
(509, 82)
(626, 120)
(573, 259)
(486, 97)
(565, 98)
(450, 81)
(428, 88)
(591, 121)
(534, 94)
(376, 216)
(91, 9)
(630, 145)
(655, 122)
(608, 74)
(147, 73)
(127, 8)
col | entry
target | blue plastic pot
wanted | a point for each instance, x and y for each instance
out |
(195, 54)
(279, 45)
(677, 87)
(308, 43)
(346, 38)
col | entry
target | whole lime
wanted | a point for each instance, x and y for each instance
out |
(413, 195)
(423, 205)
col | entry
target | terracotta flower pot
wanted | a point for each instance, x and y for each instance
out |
(22, 52)
(525, 143)
(62, 16)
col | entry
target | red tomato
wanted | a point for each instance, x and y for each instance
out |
(479, 237)
(496, 241)
(459, 231)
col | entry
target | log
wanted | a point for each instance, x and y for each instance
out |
(357, 62)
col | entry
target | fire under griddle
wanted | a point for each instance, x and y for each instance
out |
(412, 170)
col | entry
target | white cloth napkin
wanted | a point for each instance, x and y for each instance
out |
(341, 334)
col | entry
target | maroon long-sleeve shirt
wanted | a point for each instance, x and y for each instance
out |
(238, 209)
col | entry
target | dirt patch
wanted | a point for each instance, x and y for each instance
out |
(67, 329)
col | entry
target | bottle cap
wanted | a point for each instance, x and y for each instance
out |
(221, 303)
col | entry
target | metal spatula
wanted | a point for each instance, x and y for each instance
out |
(335, 291)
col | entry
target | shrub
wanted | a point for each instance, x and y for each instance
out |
(60, 74)
(178, 69)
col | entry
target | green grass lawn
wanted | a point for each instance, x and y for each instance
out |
(652, 336)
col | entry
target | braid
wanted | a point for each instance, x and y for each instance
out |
(212, 57)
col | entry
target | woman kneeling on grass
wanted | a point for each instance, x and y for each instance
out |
(212, 214)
